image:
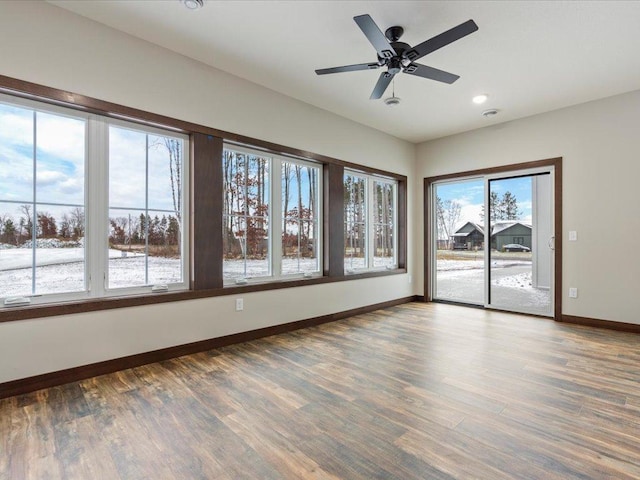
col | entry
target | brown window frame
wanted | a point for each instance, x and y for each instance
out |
(205, 233)
(556, 163)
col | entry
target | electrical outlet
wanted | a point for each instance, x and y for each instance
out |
(239, 304)
(573, 292)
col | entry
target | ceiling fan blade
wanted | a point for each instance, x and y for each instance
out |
(381, 86)
(348, 68)
(430, 73)
(375, 36)
(439, 41)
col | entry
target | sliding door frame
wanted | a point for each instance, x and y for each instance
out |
(556, 163)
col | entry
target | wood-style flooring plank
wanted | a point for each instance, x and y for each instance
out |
(417, 391)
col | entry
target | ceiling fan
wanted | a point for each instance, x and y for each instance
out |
(399, 56)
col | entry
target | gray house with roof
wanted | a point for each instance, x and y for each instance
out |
(506, 232)
(468, 237)
(471, 235)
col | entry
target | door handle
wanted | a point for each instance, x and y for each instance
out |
(552, 243)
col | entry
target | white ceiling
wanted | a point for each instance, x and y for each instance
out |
(530, 57)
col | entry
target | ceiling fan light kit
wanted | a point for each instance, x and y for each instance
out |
(400, 57)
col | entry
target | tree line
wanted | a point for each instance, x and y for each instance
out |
(15, 232)
(139, 230)
(246, 207)
(355, 211)
(124, 230)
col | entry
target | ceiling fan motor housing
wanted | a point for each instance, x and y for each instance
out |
(394, 65)
(399, 60)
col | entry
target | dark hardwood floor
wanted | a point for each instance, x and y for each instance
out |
(419, 391)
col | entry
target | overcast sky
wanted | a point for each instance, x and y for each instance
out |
(470, 195)
(60, 163)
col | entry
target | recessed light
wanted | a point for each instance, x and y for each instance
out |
(490, 113)
(193, 4)
(478, 99)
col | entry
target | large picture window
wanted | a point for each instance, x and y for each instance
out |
(370, 226)
(53, 227)
(270, 216)
(95, 205)
(300, 194)
(145, 208)
(42, 200)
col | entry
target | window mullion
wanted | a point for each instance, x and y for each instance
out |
(276, 216)
(96, 216)
(394, 225)
(146, 209)
(34, 204)
(370, 227)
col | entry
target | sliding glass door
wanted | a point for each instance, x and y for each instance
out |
(521, 244)
(459, 274)
(492, 241)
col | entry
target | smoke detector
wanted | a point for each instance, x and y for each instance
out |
(489, 113)
(193, 4)
(392, 101)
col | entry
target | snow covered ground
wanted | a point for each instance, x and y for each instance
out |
(61, 270)
(14, 258)
(234, 269)
(60, 277)
(511, 284)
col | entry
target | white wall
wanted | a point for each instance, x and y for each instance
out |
(600, 145)
(44, 44)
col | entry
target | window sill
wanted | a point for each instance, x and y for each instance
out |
(8, 314)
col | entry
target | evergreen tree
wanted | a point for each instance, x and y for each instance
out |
(505, 208)
(9, 232)
(509, 207)
(173, 231)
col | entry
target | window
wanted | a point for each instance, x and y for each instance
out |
(270, 216)
(384, 208)
(97, 206)
(62, 240)
(145, 208)
(42, 200)
(369, 222)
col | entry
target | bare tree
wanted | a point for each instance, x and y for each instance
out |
(77, 222)
(448, 216)
(174, 147)
(26, 221)
(311, 214)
